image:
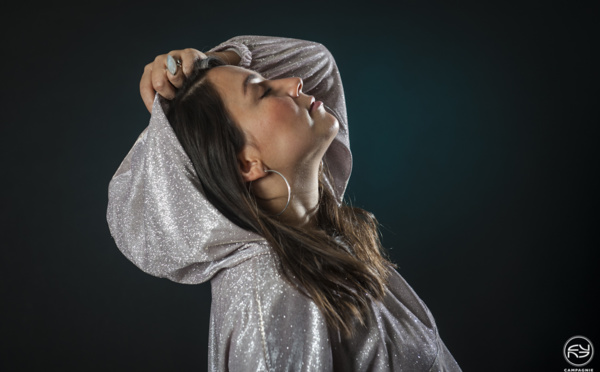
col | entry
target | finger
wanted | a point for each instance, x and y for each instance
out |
(189, 56)
(174, 70)
(160, 82)
(146, 90)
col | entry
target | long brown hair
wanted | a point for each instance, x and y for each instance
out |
(339, 265)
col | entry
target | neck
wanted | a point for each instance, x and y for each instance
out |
(304, 201)
(304, 204)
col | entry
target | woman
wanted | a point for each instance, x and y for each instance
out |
(239, 179)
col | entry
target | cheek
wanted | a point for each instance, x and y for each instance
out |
(286, 138)
(283, 112)
(283, 120)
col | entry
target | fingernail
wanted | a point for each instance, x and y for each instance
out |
(171, 65)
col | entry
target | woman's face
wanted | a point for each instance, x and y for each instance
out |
(276, 118)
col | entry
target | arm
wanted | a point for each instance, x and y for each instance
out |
(157, 215)
(272, 57)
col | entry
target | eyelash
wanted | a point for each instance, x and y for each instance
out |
(266, 93)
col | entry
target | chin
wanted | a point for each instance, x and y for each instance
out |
(329, 126)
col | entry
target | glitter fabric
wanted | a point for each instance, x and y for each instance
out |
(259, 322)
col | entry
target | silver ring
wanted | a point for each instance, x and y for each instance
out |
(173, 64)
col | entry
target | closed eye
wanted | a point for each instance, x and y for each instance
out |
(266, 93)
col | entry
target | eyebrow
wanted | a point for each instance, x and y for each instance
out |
(247, 81)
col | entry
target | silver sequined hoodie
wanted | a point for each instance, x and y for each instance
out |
(259, 322)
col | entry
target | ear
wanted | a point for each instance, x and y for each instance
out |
(251, 166)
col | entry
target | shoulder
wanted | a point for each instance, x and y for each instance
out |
(254, 305)
(402, 296)
(257, 281)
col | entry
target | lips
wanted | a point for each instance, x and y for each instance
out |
(315, 106)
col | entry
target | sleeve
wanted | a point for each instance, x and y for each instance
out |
(277, 57)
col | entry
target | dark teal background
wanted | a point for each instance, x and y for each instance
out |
(474, 128)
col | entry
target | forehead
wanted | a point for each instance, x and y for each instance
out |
(229, 81)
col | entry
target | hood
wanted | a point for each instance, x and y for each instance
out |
(162, 222)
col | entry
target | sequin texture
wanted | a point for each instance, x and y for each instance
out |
(259, 322)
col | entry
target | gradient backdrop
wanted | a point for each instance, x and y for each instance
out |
(474, 128)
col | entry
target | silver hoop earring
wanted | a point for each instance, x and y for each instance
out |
(289, 190)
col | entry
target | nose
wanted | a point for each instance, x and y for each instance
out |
(293, 86)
